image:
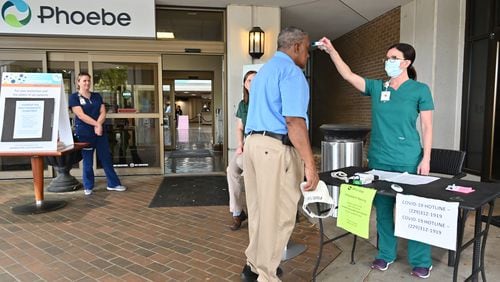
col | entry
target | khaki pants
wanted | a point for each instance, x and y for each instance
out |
(273, 173)
(235, 184)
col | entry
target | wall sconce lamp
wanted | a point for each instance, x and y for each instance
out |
(256, 42)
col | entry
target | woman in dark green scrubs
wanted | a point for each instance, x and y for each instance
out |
(395, 142)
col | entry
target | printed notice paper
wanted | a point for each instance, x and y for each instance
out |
(355, 205)
(427, 220)
(402, 177)
(28, 121)
(34, 113)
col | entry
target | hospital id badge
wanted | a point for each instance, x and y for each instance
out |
(385, 96)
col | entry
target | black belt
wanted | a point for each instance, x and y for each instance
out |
(269, 133)
(281, 137)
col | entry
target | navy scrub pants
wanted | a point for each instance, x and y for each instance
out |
(101, 145)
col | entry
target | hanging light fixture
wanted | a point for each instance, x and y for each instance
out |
(256, 42)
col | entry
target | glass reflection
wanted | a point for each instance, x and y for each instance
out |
(133, 142)
(127, 87)
(66, 69)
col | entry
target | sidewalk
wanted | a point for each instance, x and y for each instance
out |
(114, 236)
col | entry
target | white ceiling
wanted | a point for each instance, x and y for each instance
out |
(331, 18)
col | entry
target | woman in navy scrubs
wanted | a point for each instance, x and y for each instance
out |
(90, 114)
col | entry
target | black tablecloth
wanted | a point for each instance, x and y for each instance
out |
(484, 192)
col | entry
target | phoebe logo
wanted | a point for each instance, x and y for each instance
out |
(10, 16)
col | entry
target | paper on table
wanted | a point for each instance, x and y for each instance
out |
(403, 177)
(382, 174)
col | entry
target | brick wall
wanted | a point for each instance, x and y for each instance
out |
(333, 99)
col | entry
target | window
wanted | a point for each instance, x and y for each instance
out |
(178, 24)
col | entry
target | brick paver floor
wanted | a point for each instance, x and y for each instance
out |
(114, 236)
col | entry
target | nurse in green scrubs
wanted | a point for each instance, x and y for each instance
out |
(395, 143)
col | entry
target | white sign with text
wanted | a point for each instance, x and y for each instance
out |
(34, 113)
(110, 18)
(427, 220)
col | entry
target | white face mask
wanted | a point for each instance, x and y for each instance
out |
(319, 195)
(392, 67)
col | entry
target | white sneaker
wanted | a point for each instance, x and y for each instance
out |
(119, 188)
(87, 191)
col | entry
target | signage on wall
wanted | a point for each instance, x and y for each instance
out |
(110, 18)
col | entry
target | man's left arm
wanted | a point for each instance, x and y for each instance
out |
(297, 132)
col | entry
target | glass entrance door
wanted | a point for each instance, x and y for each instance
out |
(129, 87)
(69, 65)
(194, 140)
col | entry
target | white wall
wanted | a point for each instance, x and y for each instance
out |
(436, 29)
(240, 19)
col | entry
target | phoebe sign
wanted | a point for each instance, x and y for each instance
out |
(110, 18)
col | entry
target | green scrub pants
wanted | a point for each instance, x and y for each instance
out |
(419, 254)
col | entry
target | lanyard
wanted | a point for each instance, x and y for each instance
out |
(83, 100)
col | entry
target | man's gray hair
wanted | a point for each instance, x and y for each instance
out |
(289, 36)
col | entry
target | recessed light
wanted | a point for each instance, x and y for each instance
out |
(165, 35)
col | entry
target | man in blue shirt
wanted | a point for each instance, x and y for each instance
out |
(277, 154)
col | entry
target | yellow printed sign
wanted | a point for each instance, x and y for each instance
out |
(355, 205)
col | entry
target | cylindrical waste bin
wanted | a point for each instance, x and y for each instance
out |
(341, 153)
(341, 147)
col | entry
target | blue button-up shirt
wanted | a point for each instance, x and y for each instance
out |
(279, 90)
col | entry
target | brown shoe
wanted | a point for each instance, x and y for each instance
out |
(237, 220)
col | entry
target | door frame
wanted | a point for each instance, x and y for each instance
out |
(170, 116)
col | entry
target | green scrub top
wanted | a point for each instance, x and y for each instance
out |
(394, 137)
(242, 112)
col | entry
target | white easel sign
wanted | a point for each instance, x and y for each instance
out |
(427, 220)
(34, 113)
